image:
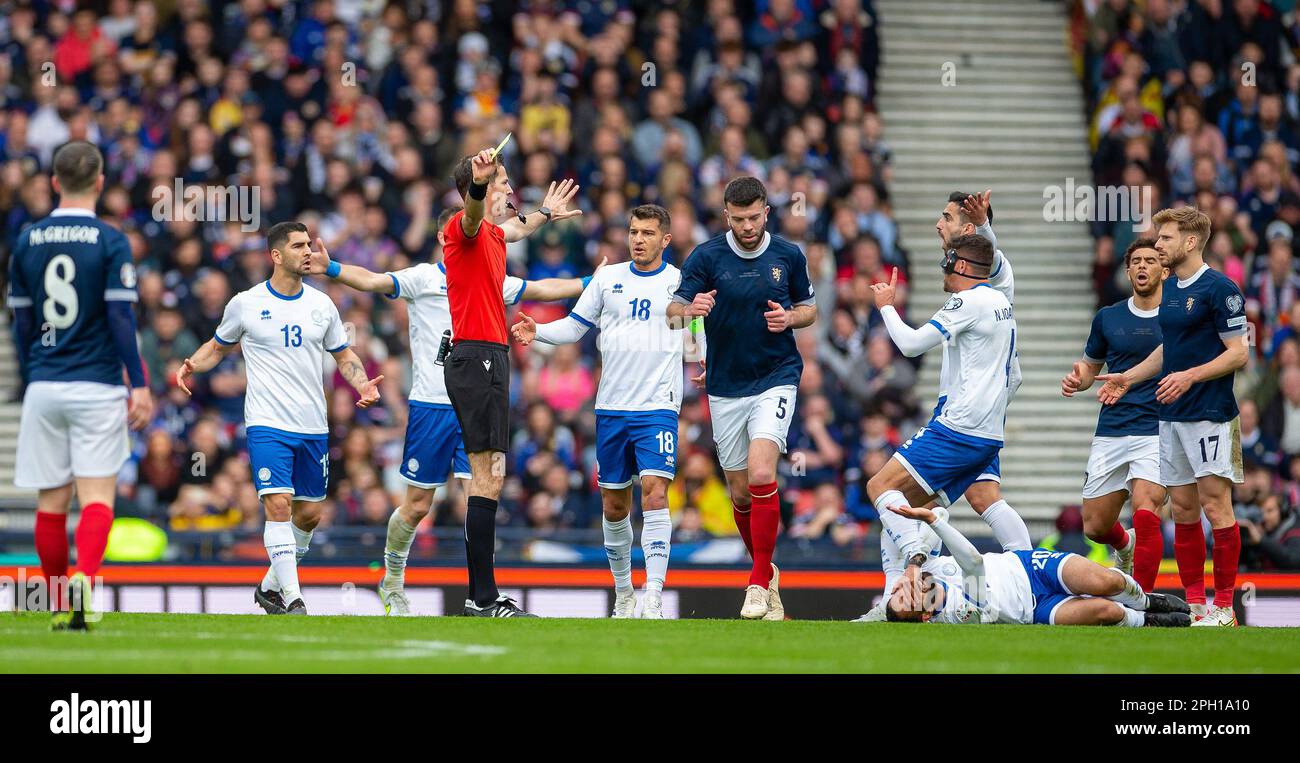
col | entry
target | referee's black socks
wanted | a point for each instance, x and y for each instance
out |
(480, 544)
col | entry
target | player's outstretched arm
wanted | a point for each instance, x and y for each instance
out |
(554, 289)
(556, 200)
(319, 263)
(564, 331)
(203, 360)
(355, 374)
(1234, 356)
(1080, 378)
(1116, 385)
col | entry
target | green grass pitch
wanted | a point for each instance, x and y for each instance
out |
(141, 643)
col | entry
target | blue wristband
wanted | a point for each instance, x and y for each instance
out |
(586, 280)
(333, 269)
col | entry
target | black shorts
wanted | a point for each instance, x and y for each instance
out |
(478, 383)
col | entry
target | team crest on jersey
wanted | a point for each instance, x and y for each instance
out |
(1233, 303)
(317, 317)
(1190, 302)
(266, 315)
(776, 274)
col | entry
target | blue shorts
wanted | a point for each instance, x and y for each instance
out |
(630, 443)
(433, 446)
(289, 462)
(993, 471)
(945, 463)
(1044, 570)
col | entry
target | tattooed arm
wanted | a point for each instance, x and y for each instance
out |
(352, 370)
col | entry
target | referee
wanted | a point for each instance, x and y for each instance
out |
(477, 372)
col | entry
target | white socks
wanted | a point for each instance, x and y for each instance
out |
(302, 543)
(1133, 618)
(1132, 596)
(1008, 528)
(656, 542)
(618, 547)
(278, 537)
(398, 546)
(903, 531)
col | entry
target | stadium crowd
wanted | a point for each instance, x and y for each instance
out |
(1198, 102)
(349, 114)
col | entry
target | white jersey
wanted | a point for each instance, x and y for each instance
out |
(979, 333)
(1007, 596)
(284, 340)
(1004, 280)
(424, 286)
(641, 357)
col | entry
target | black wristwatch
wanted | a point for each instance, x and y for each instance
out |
(546, 211)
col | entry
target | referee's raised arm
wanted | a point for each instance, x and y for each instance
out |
(483, 168)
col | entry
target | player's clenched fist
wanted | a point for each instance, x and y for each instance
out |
(1073, 381)
(778, 319)
(702, 304)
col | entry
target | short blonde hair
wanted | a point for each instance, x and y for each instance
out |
(1189, 220)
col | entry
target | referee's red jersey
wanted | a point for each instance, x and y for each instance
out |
(476, 272)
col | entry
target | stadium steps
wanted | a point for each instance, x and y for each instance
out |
(1013, 122)
(9, 415)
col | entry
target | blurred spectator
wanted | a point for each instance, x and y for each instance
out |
(1273, 541)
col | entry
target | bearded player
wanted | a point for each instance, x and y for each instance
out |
(1203, 328)
(752, 289)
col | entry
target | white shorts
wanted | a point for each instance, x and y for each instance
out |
(1192, 449)
(70, 430)
(738, 420)
(1115, 462)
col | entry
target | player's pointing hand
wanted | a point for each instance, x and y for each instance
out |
(525, 331)
(884, 292)
(702, 304)
(370, 392)
(778, 319)
(184, 372)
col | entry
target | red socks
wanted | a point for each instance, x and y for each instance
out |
(1227, 553)
(52, 545)
(742, 524)
(92, 537)
(1189, 552)
(764, 518)
(1149, 548)
(1117, 538)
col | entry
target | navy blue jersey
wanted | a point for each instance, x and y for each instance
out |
(1195, 317)
(1123, 336)
(744, 358)
(67, 267)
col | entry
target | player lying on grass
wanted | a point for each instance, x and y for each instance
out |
(433, 446)
(1021, 587)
